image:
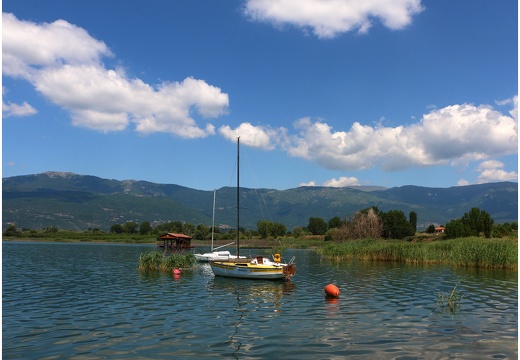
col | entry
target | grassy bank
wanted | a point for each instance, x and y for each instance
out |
(468, 252)
(64, 236)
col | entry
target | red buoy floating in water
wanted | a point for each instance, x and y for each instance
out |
(331, 290)
(176, 274)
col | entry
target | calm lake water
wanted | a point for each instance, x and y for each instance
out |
(87, 301)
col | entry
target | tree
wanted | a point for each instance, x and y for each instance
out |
(365, 224)
(368, 224)
(202, 232)
(11, 230)
(279, 229)
(373, 208)
(413, 219)
(145, 228)
(395, 225)
(431, 229)
(329, 235)
(130, 227)
(335, 222)
(116, 229)
(479, 222)
(264, 228)
(297, 231)
(502, 230)
(188, 229)
(172, 226)
(51, 229)
(457, 229)
(473, 223)
(317, 226)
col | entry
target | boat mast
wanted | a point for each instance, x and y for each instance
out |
(238, 197)
(213, 222)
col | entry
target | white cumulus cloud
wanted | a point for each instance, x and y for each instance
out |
(492, 170)
(343, 181)
(254, 136)
(25, 109)
(27, 46)
(310, 183)
(64, 63)
(329, 18)
(463, 182)
(452, 135)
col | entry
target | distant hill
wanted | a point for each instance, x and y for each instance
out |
(71, 201)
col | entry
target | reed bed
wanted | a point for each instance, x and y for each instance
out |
(157, 261)
(467, 252)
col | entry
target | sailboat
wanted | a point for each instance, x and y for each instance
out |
(259, 267)
(215, 255)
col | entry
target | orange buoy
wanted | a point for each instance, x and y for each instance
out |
(331, 290)
(176, 274)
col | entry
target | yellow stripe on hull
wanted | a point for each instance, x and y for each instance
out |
(246, 270)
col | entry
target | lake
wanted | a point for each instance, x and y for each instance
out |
(87, 301)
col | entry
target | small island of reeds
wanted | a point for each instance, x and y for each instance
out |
(159, 261)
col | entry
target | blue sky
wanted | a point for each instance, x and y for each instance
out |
(324, 93)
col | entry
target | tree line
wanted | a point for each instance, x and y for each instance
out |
(373, 223)
(478, 222)
(367, 223)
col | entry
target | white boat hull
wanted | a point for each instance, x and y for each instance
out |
(253, 270)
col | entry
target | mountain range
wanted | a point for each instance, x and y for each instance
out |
(79, 202)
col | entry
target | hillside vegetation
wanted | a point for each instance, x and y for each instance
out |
(79, 202)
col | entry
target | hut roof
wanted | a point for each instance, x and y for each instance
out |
(174, 236)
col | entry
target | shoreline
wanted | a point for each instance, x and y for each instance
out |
(476, 252)
(250, 243)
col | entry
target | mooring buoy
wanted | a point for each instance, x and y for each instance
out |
(331, 290)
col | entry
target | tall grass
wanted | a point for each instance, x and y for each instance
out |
(155, 260)
(177, 261)
(449, 301)
(468, 252)
(150, 261)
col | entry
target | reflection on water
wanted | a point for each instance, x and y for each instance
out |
(253, 302)
(88, 301)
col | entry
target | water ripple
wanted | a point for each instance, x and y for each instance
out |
(87, 301)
